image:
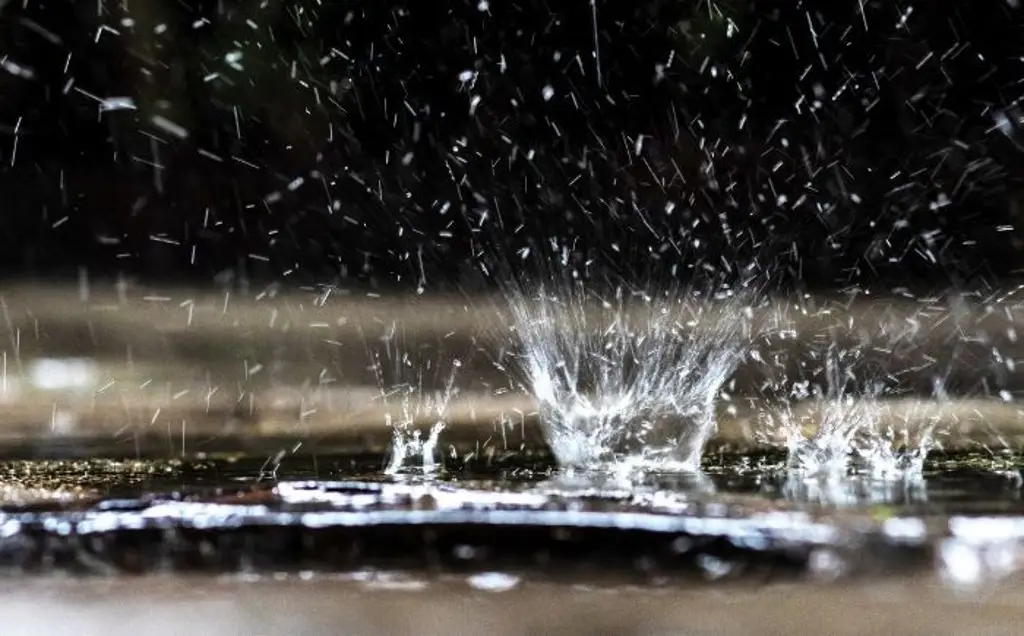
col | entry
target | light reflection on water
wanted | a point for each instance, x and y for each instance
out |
(949, 484)
(753, 506)
(854, 490)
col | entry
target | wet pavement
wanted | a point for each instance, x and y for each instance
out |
(178, 461)
(370, 603)
(743, 519)
(318, 544)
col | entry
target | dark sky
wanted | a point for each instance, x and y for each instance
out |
(817, 144)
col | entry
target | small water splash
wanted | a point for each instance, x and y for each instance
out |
(829, 451)
(898, 445)
(853, 426)
(626, 383)
(820, 425)
(409, 404)
(408, 444)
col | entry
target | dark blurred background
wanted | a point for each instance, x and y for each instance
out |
(418, 145)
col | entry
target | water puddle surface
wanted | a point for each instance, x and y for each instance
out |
(949, 484)
(744, 517)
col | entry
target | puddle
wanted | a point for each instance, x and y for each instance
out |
(512, 521)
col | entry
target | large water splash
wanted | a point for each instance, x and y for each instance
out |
(409, 405)
(629, 381)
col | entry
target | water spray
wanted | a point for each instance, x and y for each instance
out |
(408, 403)
(628, 382)
(851, 425)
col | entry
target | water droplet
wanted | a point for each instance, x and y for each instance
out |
(493, 581)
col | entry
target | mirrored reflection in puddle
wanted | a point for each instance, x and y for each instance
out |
(854, 490)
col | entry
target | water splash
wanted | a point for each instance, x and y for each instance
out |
(829, 451)
(853, 426)
(627, 382)
(898, 445)
(408, 404)
(858, 453)
(408, 443)
(819, 425)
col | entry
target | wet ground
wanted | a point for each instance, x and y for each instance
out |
(742, 519)
(950, 481)
(370, 603)
(312, 545)
(506, 544)
(246, 491)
